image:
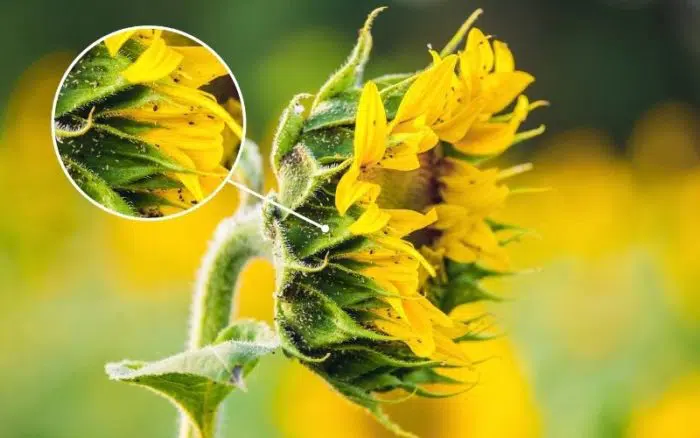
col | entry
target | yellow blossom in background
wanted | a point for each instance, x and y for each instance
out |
(673, 414)
(40, 227)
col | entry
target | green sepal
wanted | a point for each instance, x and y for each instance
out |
(297, 177)
(93, 78)
(317, 320)
(288, 130)
(329, 146)
(337, 111)
(96, 188)
(344, 286)
(154, 182)
(197, 381)
(350, 74)
(354, 361)
(147, 203)
(373, 406)
(478, 330)
(118, 160)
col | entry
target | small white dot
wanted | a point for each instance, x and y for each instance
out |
(325, 228)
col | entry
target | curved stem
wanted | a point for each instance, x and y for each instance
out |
(236, 241)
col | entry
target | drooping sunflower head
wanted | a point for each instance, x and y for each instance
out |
(396, 166)
(148, 122)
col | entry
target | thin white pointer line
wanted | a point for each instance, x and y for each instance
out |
(324, 228)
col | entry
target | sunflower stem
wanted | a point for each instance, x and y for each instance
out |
(237, 240)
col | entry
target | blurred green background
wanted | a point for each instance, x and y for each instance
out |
(603, 339)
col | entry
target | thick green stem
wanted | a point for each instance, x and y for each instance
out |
(237, 240)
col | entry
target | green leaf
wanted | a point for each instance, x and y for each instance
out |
(97, 188)
(350, 74)
(197, 381)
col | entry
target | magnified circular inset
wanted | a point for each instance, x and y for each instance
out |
(148, 123)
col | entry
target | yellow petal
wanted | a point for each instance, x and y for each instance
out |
(155, 63)
(416, 133)
(504, 61)
(420, 347)
(479, 54)
(372, 220)
(199, 66)
(486, 138)
(478, 191)
(370, 127)
(403, 156)
(407, 248)
(419, 320)
(207, 159)
(350, 190)
(449, 351)
(116, 41)
(450, 216)
(500, 89)
(475, 243)
(189, 180)
(427, 95)
(436, 315)
(206, 101)
(455, 128)
(194, 132)
(405, 222)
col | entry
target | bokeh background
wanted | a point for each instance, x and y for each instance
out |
(602, 334)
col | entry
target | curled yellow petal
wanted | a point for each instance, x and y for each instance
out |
(504, 61)
(350, 190)
(372, 220)
(478, 52)
(200, 98)
(500, 89)
(199, 66)
(487, 138)
(189, 180)
(155, 63)
(116, 41)
(404, 222)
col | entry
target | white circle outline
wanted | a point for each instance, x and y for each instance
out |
(215, 191)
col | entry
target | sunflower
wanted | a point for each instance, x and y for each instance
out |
(397, 166)
(145, 122)
(390, 234)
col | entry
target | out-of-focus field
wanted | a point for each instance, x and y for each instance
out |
(602, 331)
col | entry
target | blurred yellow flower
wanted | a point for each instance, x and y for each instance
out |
(39, 227)
(675, 414)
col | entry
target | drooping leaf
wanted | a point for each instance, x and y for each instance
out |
(197, 381)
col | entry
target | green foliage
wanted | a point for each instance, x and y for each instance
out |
(197, 381)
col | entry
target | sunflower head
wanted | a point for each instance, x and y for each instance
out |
(148, 122)
(395, 166)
